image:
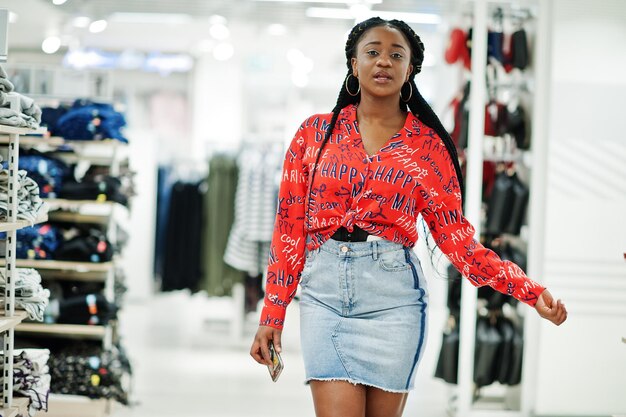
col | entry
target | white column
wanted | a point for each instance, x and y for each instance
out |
(473, 185)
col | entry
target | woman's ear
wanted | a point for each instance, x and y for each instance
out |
(409, 72)
(355, 72)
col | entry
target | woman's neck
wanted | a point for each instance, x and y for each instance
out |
(379, 109)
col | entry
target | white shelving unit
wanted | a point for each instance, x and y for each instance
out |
(466, 407)
(106, 214)
(11, 319)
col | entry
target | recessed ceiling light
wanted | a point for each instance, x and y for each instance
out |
(51, 44)
(325, 1)
(337, 13)
(276, 29)
(81, 21)
(13, 17)
(167, 18)
(223, 52)
(97, 26)
(58, 2)
(219, 31)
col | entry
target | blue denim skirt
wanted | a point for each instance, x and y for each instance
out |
(363, 314)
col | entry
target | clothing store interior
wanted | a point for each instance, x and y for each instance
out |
(142, 146)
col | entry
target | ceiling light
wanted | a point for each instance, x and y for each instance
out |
(223, 52)
(97, 26)
(219, 31)
(51, 44)
(166, 18)
(276, 29)
(81, 22)
(12, 17)
(326, 1)
(216, 19)
(336, 13)
(58, 2)
(299, 79)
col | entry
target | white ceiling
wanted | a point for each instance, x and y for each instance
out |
(40, 18)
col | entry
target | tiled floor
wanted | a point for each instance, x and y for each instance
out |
(186, 364)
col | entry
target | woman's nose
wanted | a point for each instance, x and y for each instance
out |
(384, 61)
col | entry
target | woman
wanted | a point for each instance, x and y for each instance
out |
(353, 184)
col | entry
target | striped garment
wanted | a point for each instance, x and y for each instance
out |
(255, 209)
(382, 194)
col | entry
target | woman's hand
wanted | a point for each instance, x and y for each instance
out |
(549, 309)
(260, 346)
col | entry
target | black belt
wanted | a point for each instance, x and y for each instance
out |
(357, 235)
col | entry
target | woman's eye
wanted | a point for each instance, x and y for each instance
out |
(396, 56)
(372, 53)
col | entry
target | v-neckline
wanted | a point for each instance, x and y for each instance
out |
(387, 142)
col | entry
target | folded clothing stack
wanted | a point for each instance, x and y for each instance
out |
(29, 114)
(85, 120)
(88, 309)
(30, 205)
(48, 172)
(50, 241)
(29, 294)
(91, 371)
(31, 377)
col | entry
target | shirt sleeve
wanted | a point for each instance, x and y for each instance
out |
(286, 258)
(454, 235)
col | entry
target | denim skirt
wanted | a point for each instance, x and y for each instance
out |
(363, 314)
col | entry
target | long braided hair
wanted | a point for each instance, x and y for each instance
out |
(416, 104)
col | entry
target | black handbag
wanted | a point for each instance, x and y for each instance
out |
(500, 204)
(488, 342)
(448, 363)
(505, 355)
(519, 194)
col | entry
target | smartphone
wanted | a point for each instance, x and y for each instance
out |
(277, 363)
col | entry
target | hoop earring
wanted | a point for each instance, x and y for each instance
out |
(348, 90)
(410, 94)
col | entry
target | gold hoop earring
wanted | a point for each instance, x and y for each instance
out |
(348, 90)
(406, 100)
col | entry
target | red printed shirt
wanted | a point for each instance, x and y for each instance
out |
(382, 194)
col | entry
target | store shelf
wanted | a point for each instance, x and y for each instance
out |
(70, 266)
(7, 323)
(20, 224)
(65, 265)
(19, 407)
(57, 141)
(63, 330)
(60, 405)
(76, 205)
(11, 130)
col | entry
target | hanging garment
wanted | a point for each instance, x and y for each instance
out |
(182, 264)
(251, 233)
(218, 277)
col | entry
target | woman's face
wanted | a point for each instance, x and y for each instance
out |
(382, 62)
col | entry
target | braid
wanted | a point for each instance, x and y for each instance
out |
(420, 107)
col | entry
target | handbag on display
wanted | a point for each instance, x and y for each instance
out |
(488, 342)
(500, 204)
(519, 49)
(448, 363)
(519, 195)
